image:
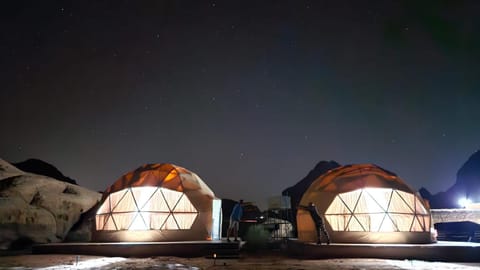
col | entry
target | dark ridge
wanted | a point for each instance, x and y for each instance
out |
(467, 185)
(296, 191)
(40, 167)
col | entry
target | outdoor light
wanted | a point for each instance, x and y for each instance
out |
(87, 264)
(463, 202)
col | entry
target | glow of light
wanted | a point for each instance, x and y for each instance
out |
(377, 220)
(463, 202)
(216, 233)
(87, 264)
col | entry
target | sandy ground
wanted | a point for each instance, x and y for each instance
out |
(246, 261)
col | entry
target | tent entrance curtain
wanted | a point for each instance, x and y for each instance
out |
(378, 210)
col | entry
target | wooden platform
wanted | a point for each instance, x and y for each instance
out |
(441, 251)
(143, 249)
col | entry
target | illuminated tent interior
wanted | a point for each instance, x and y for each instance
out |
(158, 202)
(365, 204)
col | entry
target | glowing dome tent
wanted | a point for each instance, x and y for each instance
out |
(365, 204)
(158, 202)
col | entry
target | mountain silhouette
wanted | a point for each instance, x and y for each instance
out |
(296, 191)
(41, 167)
(467, 185)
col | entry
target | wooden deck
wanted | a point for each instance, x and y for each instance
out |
(143, 249)
(440, 251)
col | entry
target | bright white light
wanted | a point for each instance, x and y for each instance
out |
(216, 233)
(88, 264)
(463, 202)
(381, 197)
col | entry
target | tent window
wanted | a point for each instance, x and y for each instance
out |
(146, 208)
(377, 210)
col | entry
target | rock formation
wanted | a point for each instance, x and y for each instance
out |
(38, 209)
(467, 185)
(296, 191)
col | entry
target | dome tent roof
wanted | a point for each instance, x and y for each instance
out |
(165, 175)
(155, 202)
(363, 203)
(351, 177)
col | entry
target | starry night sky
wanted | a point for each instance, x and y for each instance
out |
(250, 95)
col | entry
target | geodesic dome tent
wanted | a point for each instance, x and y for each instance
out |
(365, 204)
(158, 202)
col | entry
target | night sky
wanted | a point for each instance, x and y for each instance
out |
(250, 95)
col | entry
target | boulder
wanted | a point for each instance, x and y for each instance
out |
(7, 170)
(82, 230)
(38, 209)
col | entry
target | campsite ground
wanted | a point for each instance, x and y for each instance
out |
(260, 261)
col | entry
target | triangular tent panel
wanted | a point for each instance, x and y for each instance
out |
(365, 204)
(156, 220)
(142, 195)
(170, 224)
(125, 204)
(123, 220)
(105, 207)
(156, 202)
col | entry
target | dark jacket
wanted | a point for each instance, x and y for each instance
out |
(313, 213)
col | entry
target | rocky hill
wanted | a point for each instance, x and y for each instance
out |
(467, 185)
(41, 167)
(38, 209)
(296, 191)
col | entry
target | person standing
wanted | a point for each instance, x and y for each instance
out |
(319, 224)
(235, 217)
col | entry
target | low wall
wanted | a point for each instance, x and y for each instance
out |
(455, 215)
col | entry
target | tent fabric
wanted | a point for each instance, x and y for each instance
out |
(364, 203)
(166, 175)
(156, 202)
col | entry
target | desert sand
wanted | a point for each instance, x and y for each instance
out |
(245, 261)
